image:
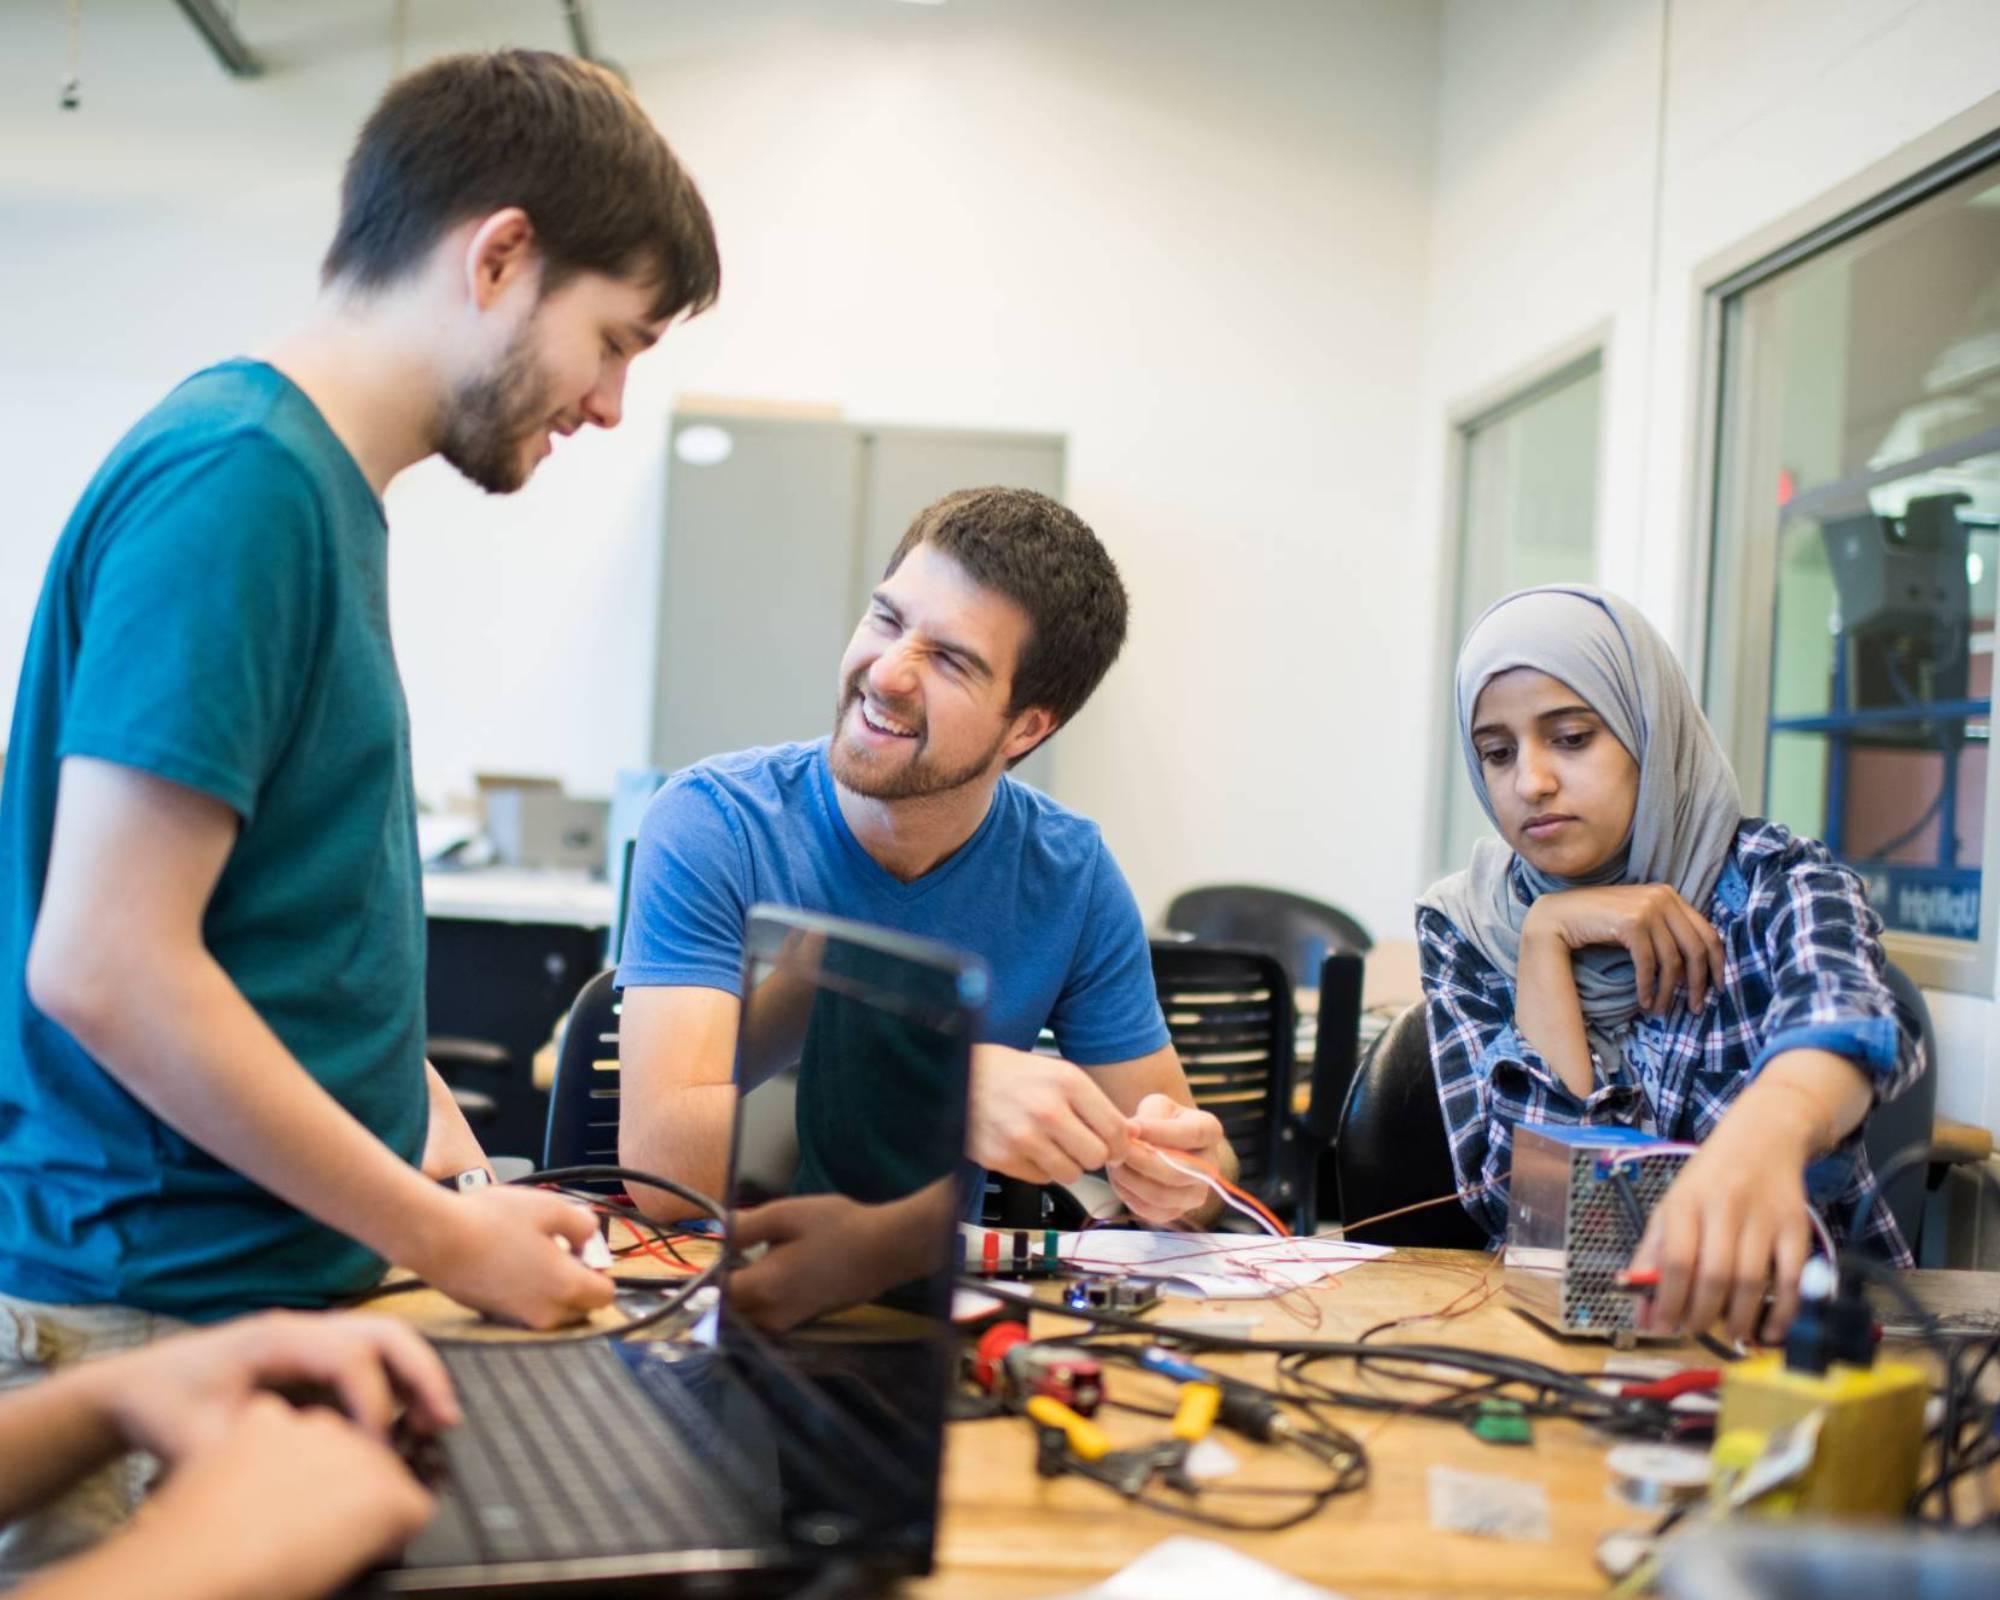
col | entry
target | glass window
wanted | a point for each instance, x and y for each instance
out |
(1857, 514)
(1527, 515)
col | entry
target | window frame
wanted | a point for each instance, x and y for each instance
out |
(1556, 366)
(1919, 174)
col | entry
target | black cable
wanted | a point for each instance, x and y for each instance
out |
(628, 1176)
(1628, 1200)
(1553, 1392)
(1959, 1387)
(558, 1178)
(619, 1330)
(1893, 1169)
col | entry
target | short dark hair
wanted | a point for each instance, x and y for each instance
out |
(1043, 557)
(564, 140)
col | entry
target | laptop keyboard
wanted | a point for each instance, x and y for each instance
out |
(560, 1457)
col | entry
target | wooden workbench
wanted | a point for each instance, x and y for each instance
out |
(1008, 1535)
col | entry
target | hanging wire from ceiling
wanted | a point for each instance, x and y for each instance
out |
(70, 95)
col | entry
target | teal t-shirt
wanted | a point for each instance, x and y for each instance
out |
(216, 613)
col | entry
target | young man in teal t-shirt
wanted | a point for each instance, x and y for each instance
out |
(213, 1095)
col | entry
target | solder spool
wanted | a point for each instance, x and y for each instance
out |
(1654, 1477)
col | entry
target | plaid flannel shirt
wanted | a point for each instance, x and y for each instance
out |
(1803, 971)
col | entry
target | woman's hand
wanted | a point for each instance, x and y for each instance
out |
(1672, 945)
(1731, 1223)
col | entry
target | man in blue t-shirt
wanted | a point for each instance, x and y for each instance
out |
(999, 614)
(213, 1093)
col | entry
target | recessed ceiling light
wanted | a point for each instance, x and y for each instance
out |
(703, 445)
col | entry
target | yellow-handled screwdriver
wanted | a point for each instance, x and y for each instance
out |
(1086, 1439)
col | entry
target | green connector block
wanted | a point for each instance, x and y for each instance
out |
(1502, 1422)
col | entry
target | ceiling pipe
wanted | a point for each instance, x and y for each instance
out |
(577, 14)
(220, 34)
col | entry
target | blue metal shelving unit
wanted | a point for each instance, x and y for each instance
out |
(1937, 897)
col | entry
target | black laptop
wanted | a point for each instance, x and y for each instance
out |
(748, 1464)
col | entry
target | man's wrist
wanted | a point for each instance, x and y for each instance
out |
(432, 1228)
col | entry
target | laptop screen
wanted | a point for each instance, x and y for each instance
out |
(845, 1186)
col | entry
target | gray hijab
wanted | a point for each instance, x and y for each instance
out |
(1688, 810)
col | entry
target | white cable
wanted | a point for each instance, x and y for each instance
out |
(1217, 1185)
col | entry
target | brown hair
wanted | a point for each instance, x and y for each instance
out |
(1043, 557)
(564, 140)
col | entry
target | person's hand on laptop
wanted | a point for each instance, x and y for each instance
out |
(1039, 1118)
(1154, 1191)
(500, 1256)
(172, 1396)
(260, 1498)
(275, 1503)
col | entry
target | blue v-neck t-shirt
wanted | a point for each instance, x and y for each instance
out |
(1034, 893)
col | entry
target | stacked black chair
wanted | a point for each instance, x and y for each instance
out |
(1300, 932)
(583, 1103)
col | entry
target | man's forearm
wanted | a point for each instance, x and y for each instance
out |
(185, 1042)
(51, 1434)
(682, 1134)
(450, 1147)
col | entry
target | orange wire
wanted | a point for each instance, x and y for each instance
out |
(1208, 1170)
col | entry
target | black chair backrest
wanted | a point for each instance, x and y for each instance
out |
(1391, 1150)
(1229, 1012)
(1905, 1121)
(1299, 931)
(1336, 1045)
(583, 1103)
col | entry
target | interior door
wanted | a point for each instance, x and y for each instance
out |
(755, 583)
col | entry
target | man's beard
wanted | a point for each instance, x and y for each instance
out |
(489, 418)
(913, 779)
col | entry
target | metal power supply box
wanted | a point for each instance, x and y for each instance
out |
(1569, 1234)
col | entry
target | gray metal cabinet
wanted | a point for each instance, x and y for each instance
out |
(777, 531)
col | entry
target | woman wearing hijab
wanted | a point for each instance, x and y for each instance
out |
(1638, 952)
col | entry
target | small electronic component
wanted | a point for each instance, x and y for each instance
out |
(1009, 1252)
(1867, 1414)
(1007, 1363)
(1057, 1371)
(1124, 1296)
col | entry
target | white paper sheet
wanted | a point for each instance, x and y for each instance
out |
(1200, 1569)
(1214, 1266)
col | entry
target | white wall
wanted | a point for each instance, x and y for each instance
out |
(1250, 258)
(1190, 236)
(1591, 159)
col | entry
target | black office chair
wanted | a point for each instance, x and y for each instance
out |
(1301, 932)
(1229, 1014)
(461, 1063)
(1906, 1120)
(1390, 1149)
(583, 1101)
